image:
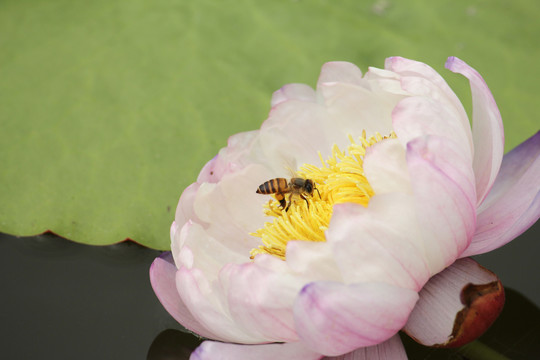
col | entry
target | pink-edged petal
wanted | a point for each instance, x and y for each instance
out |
(391, 349)
(235, 156)
(162, 278)
(213, 170)
(211, 350)
(385, 167)
(456, 306)
(231, 159)
(412, 68)
(419, 116)
(380, 243)
(445, 200)
(420, 79)
(300, 92)
(261, 299)
(488, 133)
(340, 71)
(333, 318)
(513, 204)
(202, 300)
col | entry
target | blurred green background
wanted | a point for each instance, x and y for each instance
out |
(109, 108)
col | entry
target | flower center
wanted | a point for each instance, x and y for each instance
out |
(340, 179)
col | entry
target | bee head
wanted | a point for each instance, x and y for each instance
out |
(309, 186)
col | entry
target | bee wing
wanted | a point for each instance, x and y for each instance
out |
(290, 166)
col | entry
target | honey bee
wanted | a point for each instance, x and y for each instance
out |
(296, 186)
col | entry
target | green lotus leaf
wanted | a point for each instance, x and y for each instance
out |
(109, 108)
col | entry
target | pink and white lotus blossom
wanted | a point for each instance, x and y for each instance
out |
(406, 192)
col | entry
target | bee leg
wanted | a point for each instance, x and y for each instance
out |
(307, 202)
(290, 202)
(318, 193)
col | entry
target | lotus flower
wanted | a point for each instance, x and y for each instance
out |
(406, 193)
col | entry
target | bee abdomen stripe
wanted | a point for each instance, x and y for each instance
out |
(274, 185)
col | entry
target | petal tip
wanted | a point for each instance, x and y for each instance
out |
(455, 64)
(450, 62)
(391, 61)
(167, 256)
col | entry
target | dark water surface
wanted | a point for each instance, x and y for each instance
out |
(63, 300)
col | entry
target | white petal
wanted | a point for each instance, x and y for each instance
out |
(293, 92)
(385, 83)
(353, 108)
(293, 134)
(175, 244)
(386, 169)
(184, 209)
(379, 243)
(315, 259)
(232, 208)
(197, 249)
(340, 71)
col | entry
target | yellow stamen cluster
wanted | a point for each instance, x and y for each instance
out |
(340, 179)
